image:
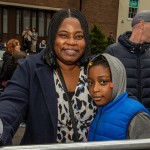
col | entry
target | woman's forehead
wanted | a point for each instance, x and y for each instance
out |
(70, 21)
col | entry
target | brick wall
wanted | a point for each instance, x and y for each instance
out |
(103, 13)
(49, 3)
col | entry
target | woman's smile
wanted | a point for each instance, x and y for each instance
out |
(71, 51)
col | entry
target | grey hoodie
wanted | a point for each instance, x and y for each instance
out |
(118, 74)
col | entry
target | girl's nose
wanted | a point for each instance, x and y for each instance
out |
(96, 87)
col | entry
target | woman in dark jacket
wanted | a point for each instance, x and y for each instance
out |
(36, 93)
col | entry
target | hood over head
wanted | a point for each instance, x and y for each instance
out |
(118, 73)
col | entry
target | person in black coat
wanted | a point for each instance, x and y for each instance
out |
(12, 46)
(10, 66)
(133, 49)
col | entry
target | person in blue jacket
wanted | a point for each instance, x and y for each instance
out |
(36, 94)
(119, 117)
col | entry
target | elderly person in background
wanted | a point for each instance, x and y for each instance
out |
(133, 49)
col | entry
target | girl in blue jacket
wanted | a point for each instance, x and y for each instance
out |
(119, 117)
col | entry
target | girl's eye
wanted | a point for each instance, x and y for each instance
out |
(103, 82)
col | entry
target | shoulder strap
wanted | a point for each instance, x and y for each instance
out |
(76, 136)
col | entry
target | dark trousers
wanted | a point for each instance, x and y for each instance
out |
(27, 46)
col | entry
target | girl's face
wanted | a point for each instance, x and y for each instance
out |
(70, 43)
(100, 85)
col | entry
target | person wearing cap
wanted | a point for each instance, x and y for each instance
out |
(133, 49)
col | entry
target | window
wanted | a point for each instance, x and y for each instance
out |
(34, 20)
(41, 24)
(133, 7)
(5, 20)
(26, 18)
(0, 19)
(48, 21)
(18, 21)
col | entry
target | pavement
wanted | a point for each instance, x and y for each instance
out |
(18, 136)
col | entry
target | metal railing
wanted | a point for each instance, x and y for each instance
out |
(143, 144)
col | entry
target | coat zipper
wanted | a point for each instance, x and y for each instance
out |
(139, 77)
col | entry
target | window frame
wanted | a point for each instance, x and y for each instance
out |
(133, 8)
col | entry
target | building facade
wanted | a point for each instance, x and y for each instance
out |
(16, 14)
(127, 10)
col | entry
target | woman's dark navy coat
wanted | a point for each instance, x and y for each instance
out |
(40, 101)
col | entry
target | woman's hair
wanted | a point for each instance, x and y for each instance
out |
(53, 28)
(11, 44)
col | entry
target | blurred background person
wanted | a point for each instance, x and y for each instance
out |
(11, 65)
(34, 40)
(12, 46)
(42, 45)
(27, 39)
(110, 38)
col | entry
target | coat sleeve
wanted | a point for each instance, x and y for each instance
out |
(13, 103)
(139, 127)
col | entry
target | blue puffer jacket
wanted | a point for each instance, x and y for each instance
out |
(106, 127)
(136, 59)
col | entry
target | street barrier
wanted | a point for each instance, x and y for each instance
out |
(143, 144)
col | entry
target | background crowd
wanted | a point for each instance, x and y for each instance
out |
(30, 41)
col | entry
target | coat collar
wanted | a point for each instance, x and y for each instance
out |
(131, 46)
